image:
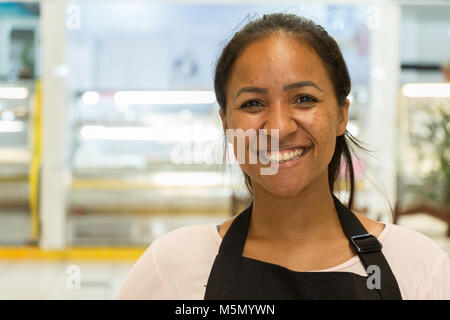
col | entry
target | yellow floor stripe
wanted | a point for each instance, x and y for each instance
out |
(33, 253)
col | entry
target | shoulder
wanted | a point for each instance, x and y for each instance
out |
(180, 238)
(189, 244)
(420, 265)
(408, 242)
(411, 244)
(172, 265)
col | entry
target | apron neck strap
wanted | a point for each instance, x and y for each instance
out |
(360, 239)
(234, 240)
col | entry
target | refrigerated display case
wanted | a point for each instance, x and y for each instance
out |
(16, 141)
(19, 69)
(135, 161)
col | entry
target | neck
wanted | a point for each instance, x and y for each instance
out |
(311, 214)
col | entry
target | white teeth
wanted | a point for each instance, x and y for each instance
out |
(286, 155)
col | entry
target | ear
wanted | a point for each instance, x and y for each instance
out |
(342, 118)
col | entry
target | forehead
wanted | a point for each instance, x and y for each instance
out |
(277, 60)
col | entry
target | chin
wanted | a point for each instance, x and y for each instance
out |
(283, 189)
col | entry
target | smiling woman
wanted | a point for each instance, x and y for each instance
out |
(286, 73)
(305, 115)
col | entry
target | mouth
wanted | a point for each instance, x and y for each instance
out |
(285, 155)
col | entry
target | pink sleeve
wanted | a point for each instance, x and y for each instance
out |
(144, 280)
(440, 279)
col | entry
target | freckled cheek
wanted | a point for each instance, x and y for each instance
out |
(319, 129)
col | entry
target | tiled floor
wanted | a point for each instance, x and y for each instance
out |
(102, 280)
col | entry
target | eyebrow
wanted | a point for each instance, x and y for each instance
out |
(251, 89)
(302, 84)
(286, 87)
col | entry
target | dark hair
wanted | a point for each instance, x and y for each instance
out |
(325, 47)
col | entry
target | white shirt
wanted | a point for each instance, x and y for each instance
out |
(177, 265)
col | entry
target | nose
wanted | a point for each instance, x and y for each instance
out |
(280, 117)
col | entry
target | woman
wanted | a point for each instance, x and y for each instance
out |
(285, 72)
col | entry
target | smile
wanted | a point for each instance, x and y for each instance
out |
(287, 155)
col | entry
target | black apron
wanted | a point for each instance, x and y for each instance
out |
(236, 277)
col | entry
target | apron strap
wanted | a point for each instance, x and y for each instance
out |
(234, 240)
(368, 248)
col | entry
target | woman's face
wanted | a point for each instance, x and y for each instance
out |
(280, 83)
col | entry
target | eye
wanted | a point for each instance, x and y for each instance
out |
(306, 99)
(250, 104)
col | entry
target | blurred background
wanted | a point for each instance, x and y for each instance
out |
(110, 135)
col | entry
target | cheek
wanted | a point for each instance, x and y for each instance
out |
(320, 126)
(243, 125)
(243, 122)
(321, 129)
